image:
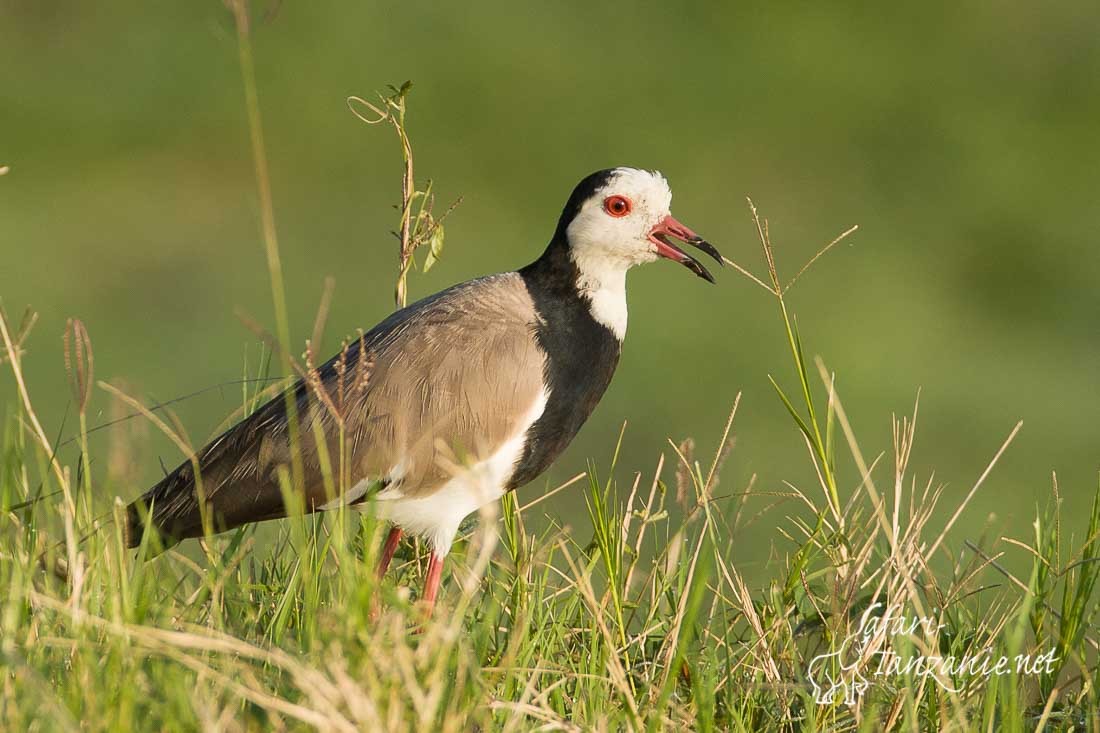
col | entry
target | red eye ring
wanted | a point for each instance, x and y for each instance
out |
(617, 206)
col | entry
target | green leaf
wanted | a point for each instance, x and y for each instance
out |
(435, 247)
(790, 408)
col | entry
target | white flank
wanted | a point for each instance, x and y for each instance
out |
(436, 517)
(355, 493)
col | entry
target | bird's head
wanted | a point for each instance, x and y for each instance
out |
(620, 217)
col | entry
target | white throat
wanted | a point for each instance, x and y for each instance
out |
(606, 242)
(603, 281)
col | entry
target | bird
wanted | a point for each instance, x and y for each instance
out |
(448, 403)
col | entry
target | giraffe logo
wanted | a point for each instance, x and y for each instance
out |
(836, 676)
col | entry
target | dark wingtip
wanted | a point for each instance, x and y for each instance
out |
(139, 522)
(134, 529)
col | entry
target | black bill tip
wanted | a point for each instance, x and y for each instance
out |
(707, 247)
(697, 267)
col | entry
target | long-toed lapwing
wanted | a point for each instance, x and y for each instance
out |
(461, 397)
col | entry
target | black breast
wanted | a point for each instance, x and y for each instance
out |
(581, 356)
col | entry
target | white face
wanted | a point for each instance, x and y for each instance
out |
(613, 226)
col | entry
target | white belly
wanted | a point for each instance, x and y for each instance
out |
(436, 517)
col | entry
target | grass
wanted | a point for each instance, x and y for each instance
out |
(639, 619)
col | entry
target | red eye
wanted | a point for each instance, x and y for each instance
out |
(617, 206)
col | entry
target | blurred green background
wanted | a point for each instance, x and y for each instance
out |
(961, 137)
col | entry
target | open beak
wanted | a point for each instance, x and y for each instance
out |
(669, 227)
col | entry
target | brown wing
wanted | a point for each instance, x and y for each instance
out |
(441, 382)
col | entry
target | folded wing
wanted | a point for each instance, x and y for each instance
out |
(438, 385)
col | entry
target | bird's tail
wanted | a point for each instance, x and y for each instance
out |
(133, 527)
(159, 509)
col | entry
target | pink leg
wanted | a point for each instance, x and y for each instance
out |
(431, 583)
(392, 540)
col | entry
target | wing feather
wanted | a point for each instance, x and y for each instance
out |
(441, 382)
